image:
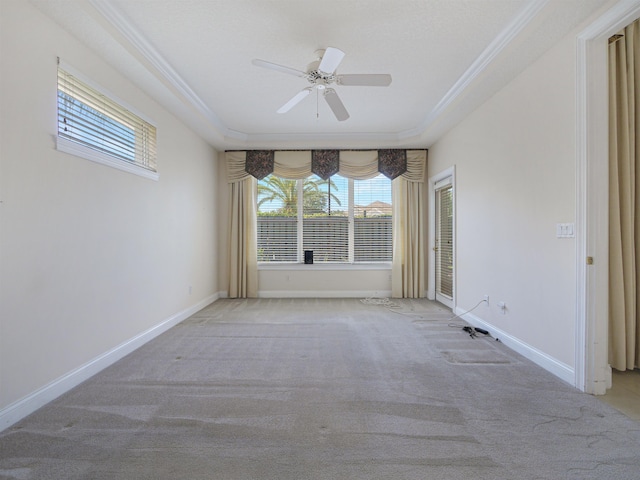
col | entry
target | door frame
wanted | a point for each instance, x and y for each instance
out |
(592, 371)
(431, 280)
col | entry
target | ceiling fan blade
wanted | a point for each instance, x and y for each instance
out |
(279, 68)
(295, 100)
(335, 104)
(365, 80)
(330, 60)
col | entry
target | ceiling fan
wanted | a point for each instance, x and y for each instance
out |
(321, 74)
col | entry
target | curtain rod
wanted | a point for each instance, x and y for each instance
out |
(615, 38)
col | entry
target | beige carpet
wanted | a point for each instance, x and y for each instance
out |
(322, 389)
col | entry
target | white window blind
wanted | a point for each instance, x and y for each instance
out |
(277, 220)
(326, 221)
(372, 220)
(340, 220)
(90, 119)
(444, 241)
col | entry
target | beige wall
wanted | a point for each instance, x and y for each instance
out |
(515, 174)
(323, 281)
(90, 256)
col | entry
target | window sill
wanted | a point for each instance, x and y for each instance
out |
(72, 148)
(324, 266)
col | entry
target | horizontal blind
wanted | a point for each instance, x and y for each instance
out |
(91, 119)
(277, 220)
(342, 220)
(372, 215)
(277, 239)
(326, 222)
(444, 253)
(328, 238)
(372, 239)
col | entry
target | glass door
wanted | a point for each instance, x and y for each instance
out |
(444, 245)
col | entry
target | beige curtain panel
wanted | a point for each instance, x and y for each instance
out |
(624, 198)
(408, 212)
(242, 259)
(409, 241)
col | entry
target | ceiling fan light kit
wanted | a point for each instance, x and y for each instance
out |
(322, 73)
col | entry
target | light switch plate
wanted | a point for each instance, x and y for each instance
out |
(565, 230)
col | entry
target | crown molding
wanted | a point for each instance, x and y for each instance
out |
(481, 64)
(162, 68)
(165, 73)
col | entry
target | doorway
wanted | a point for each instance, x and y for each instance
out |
(592, 372)
(442, 238)
(624, 223)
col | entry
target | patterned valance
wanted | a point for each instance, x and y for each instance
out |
(392, 163)
(325, 163)
(355, 164)
(259, 163)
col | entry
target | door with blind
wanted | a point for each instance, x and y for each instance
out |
(444, 242)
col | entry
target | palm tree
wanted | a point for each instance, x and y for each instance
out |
(285, 192)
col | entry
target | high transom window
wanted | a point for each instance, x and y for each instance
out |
(94, 126)
(341, 220)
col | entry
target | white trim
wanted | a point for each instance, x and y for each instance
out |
(37, 399)
(445, 182)
(347, 140)
(552, 365)
(72, 148)
(592, 371)
(324, 294)
(349, 267)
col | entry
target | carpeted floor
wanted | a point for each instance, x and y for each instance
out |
(322, 389)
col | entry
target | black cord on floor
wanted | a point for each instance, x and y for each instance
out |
(470, 330)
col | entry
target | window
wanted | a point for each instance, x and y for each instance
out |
(372, 220)
(341, 220)
(94, 126)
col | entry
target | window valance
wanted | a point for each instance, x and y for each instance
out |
(356, 164)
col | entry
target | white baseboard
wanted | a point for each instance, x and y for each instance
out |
(552, 365)
(32, 402)
(323, 294)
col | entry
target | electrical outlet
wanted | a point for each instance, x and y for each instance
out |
(486, 299)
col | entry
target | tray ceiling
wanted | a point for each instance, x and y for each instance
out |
(446, 57)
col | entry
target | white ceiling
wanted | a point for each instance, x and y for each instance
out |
(446, 57)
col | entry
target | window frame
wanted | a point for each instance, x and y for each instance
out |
(79, 150)
(334, 265)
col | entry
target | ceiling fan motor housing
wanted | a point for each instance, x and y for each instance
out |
(320, 79)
